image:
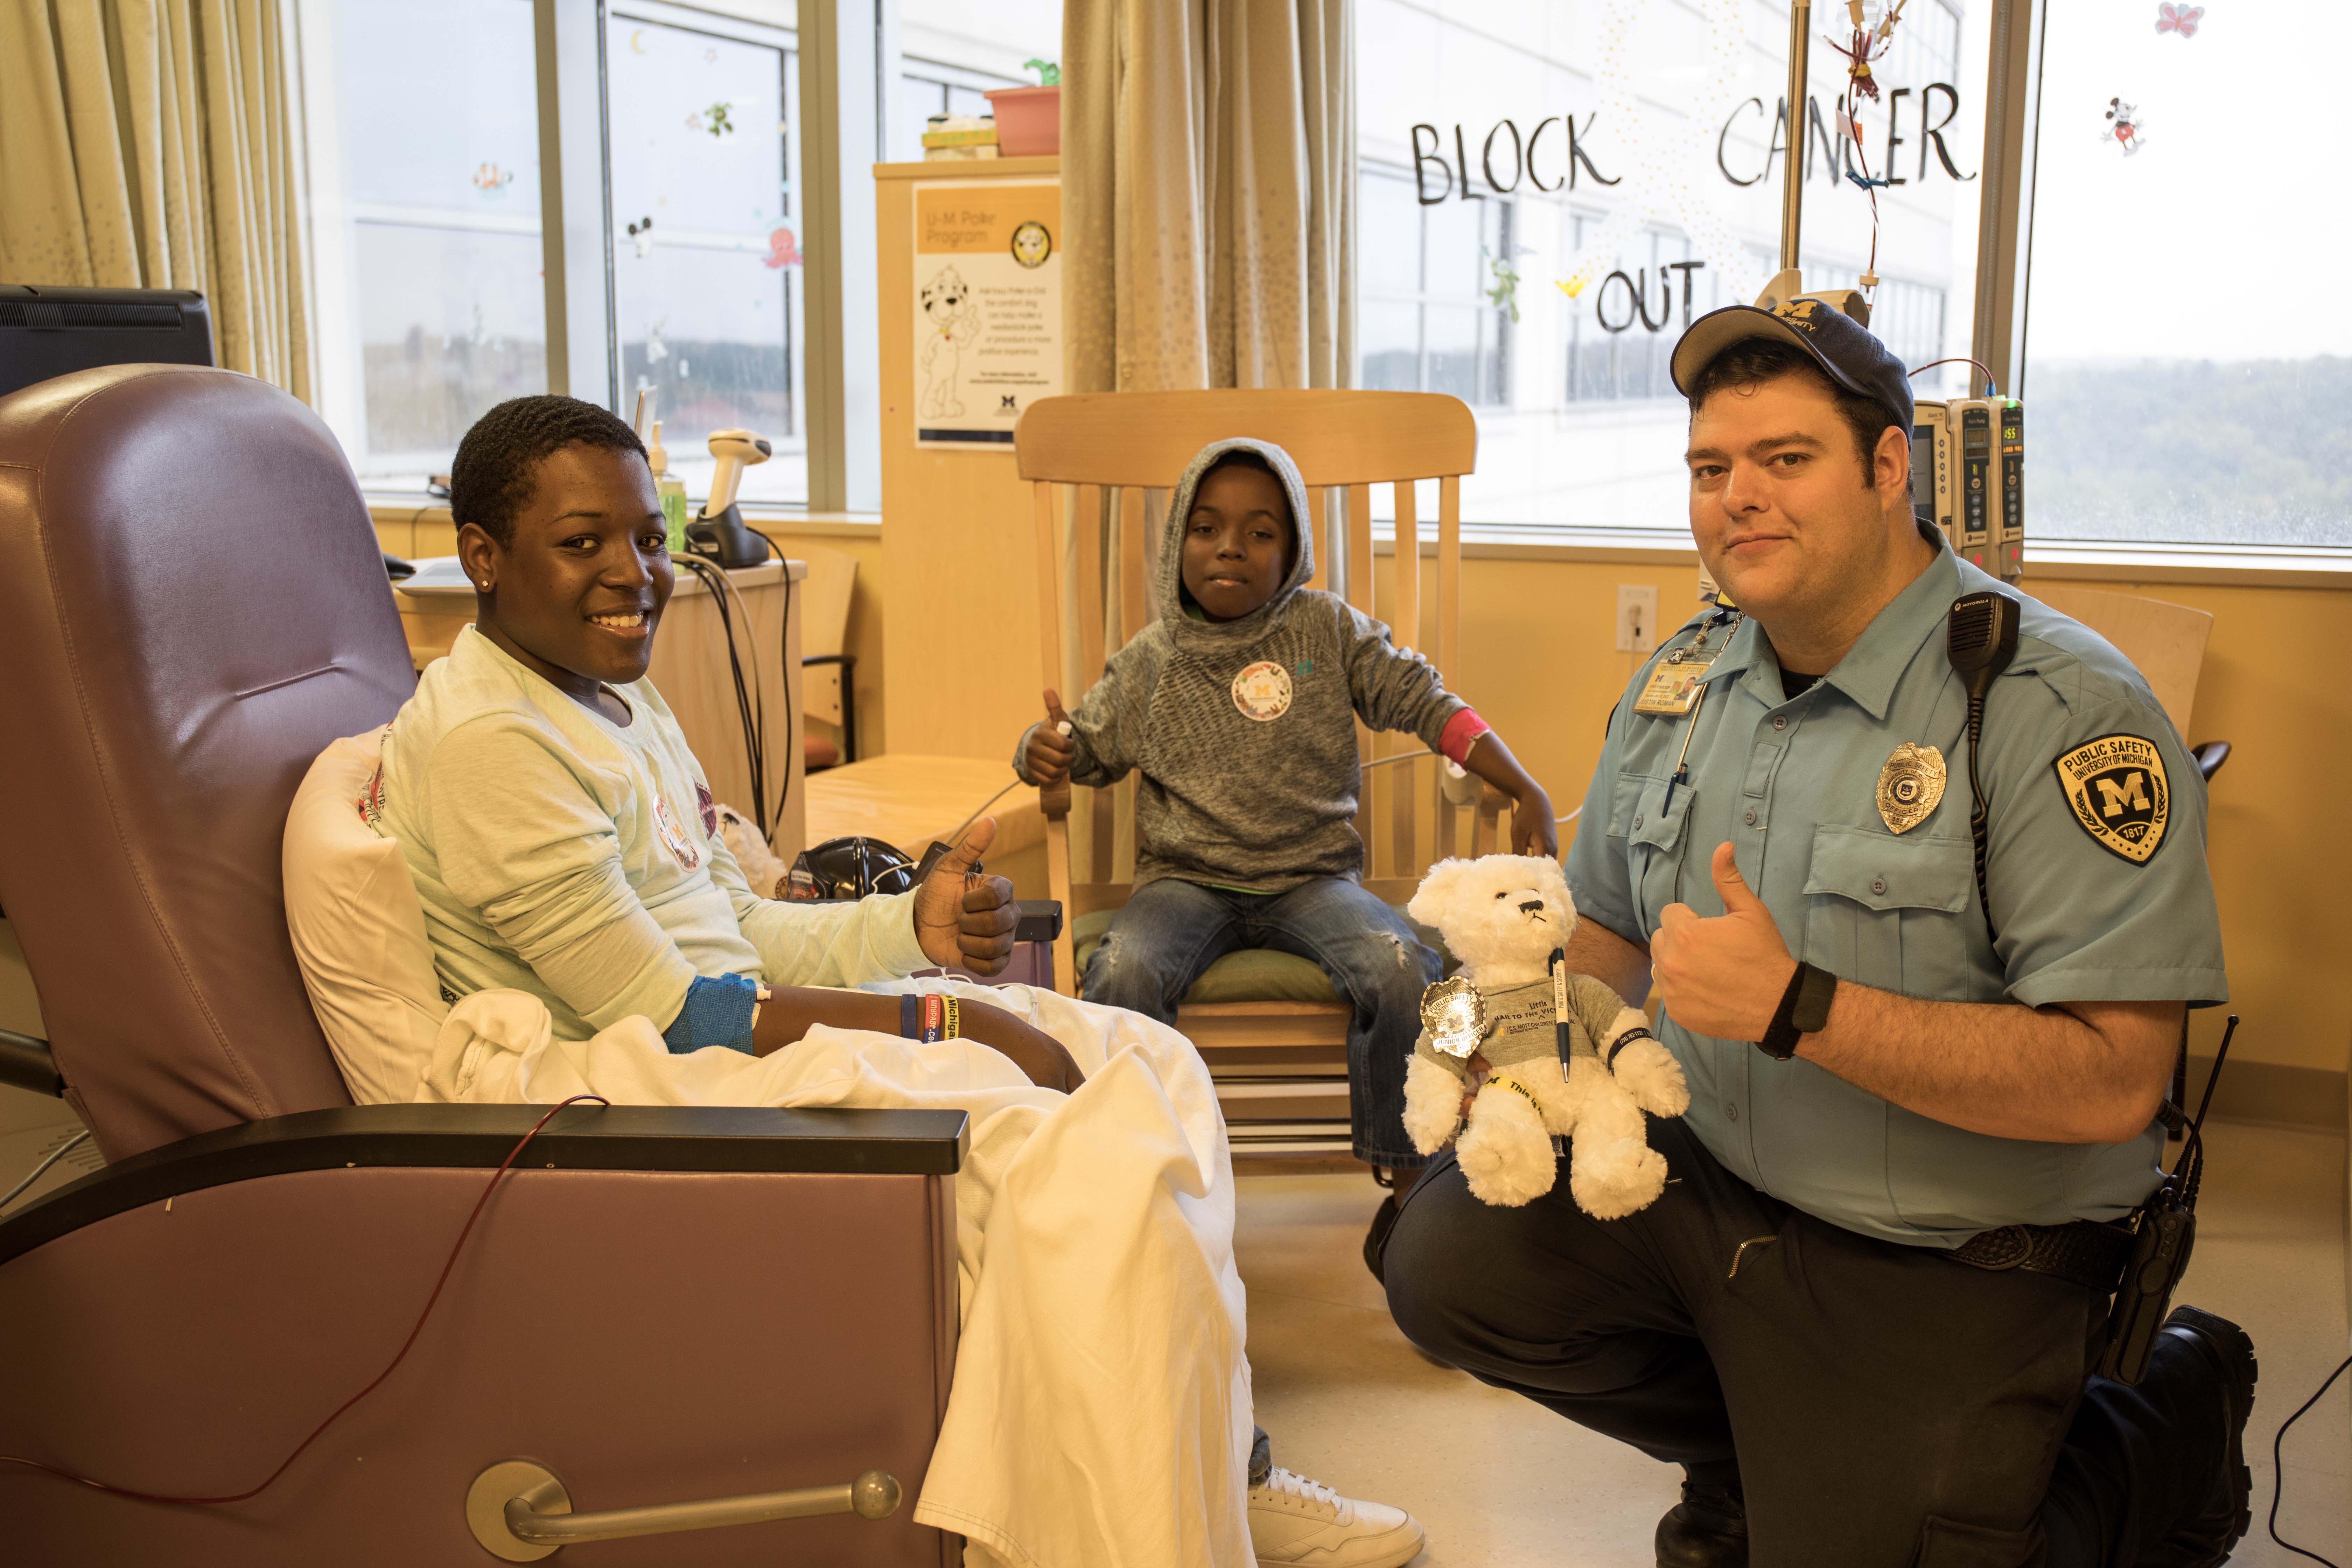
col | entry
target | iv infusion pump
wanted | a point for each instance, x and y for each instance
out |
(1968, 480)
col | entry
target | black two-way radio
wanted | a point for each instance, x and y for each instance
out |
(1981, 640)
(2164, 1232)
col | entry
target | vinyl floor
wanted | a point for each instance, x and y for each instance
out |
(1500, 1482)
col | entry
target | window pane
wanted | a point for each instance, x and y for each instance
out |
(451, 322)
(706, 245)
(426, 219)
(2163, 403)
(1453, 350)
(1579, 421)
(1387, 226)
(1388, 341)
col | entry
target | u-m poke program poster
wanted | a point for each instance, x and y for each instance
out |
(988, 309)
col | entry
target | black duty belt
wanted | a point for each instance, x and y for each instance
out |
(2085, 1253)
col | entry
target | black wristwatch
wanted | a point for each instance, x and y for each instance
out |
(1804, 1010)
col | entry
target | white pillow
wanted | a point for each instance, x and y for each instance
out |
(359, 930)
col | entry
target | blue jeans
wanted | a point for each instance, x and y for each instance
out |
(1171, 930)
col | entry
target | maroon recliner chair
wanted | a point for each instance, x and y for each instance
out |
(740, 1310)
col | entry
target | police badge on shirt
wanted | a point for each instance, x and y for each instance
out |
(2116, 788)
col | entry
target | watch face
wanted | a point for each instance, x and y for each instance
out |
(1814, 995)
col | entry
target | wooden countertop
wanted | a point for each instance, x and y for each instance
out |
(909, 800)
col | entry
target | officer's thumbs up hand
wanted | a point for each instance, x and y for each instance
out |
(1722, 976)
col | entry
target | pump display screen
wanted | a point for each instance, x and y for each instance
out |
(1923, 473)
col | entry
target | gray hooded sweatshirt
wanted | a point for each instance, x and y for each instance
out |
(1243, 731)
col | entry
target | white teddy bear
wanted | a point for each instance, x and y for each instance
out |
(1507, 918)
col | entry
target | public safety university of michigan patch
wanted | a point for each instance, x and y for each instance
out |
(2117, 790)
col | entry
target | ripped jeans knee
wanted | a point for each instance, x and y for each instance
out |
(1121, 973)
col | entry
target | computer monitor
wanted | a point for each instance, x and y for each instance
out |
(48, 331)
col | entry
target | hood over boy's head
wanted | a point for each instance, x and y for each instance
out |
(1241, 552)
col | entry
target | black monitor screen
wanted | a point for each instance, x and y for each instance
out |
(47, 332)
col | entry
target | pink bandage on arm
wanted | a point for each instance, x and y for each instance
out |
(1454, 744)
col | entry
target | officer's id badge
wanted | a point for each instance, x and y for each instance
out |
(2116, 787)
(674, 837)
(1263, 692)
(1673, 685)
(1910, 786)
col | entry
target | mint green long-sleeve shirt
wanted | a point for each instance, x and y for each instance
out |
(558, 853)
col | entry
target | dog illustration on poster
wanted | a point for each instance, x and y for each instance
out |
(955, 323)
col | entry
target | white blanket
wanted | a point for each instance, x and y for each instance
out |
(1100, 1413)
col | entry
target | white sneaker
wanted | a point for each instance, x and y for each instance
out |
(1294, 1520)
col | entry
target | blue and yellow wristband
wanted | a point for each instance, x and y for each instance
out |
(927, 1017)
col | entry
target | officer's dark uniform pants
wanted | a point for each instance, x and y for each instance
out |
(1880, 1404)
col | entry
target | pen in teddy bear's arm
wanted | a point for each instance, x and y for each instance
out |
(1634, 1057)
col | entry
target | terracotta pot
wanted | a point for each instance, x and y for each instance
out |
(1028, 121)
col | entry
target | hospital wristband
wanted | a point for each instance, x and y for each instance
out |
(928, 1017)
(1461, 733)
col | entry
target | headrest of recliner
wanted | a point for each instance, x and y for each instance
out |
(192, 605)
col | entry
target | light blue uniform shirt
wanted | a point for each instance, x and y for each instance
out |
(1793, 785)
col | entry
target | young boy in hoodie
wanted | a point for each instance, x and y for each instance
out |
(1238, 708)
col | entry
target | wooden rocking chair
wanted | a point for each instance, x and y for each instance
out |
(1269, 1024)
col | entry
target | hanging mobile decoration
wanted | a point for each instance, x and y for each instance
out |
(2126, 127)
(1661, 186)
(1503, 292)
(783, 249)
(2181, 19)
(489, 179)
(1870, 43)
(642, 232)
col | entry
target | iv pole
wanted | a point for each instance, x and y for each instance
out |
(1788, 284)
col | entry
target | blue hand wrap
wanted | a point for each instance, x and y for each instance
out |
(717, 1012)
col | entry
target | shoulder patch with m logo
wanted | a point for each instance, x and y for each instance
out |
(2116, 788)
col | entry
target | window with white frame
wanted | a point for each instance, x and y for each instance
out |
(1435, 292)
(1484, 130)
(954, 51)
(2170, 396)
(707, 263)
(425, 224)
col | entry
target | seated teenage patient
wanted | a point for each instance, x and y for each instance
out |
(544, 796)
(563, 842)
(1238, 708)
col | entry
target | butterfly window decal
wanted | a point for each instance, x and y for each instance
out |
(2181, 19)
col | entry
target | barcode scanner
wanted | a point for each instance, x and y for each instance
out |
(1981, 640)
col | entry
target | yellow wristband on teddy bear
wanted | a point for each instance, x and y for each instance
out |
(1505, 1080)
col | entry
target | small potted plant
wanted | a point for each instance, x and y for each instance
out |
(1029, 118)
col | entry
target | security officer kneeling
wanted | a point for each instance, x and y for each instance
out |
(1864, 1314)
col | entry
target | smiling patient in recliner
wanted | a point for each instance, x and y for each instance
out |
(593, 934)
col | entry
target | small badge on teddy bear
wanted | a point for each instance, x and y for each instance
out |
(1454, 1015)
(1567, 1056)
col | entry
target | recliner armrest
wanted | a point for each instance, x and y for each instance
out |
(823, 1139)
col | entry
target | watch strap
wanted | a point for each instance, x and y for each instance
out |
(1804, 1009)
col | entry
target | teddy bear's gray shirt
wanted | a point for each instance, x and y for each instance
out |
(1223, 798)
(1519, 1024)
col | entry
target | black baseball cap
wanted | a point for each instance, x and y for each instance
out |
(1851, 354)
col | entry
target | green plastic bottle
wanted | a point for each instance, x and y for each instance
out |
(672, 493)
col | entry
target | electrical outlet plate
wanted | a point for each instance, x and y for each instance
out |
(1637, 617)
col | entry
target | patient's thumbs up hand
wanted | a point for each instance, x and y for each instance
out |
(1050, 749)
(963, 920)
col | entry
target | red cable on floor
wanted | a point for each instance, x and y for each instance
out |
(430, 1302)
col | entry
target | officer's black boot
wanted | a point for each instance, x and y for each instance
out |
(2200, 1358)
(1709, 1528)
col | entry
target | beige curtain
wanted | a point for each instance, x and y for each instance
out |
(150, 145)
(1208, 178)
